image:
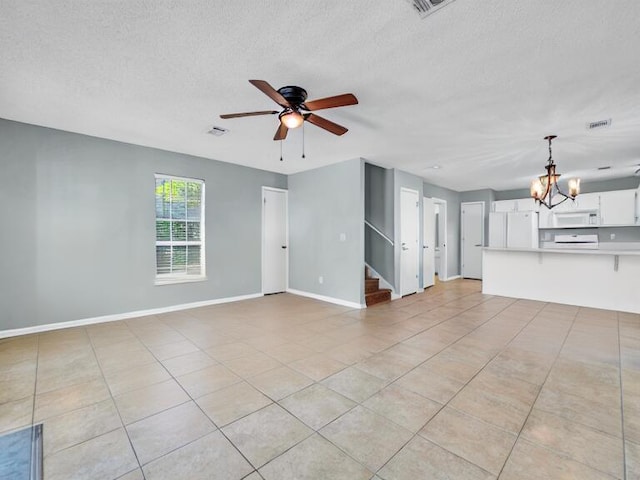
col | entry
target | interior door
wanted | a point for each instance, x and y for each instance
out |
(428, 239)
(274, 241)
(409, 224)
(472, 214)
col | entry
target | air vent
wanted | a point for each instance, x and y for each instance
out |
(599, 124)
(217, 131)
(427, 7)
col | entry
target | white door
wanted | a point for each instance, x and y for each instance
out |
(274, 240)
(429, 241)
(409, 224)
(441, 244)
(472, 239)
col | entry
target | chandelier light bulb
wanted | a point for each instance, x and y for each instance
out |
(545, 188)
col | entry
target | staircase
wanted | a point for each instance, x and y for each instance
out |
(372, 292)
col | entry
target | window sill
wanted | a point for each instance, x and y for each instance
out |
(176, 280)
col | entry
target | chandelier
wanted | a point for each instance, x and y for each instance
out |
(545, 189)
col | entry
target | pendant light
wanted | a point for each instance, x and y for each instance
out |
(545, 189)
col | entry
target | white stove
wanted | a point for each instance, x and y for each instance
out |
(589, 241)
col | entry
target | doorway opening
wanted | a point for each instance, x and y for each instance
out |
(440, 239)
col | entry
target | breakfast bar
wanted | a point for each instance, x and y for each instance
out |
(607, 279)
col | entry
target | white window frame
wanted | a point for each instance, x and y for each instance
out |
(173, 278)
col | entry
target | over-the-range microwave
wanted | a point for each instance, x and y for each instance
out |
(575, 218)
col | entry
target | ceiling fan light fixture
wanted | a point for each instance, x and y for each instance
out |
(291, 119)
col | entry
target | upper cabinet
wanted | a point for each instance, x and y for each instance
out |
(516, 205)
(598, 209)
(586, 201)
(503, 206)
(526, 205)
(618, 208)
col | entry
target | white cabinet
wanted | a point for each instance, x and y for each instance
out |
(515, 205)
(526, 205)
(545, 218)
(618, 208)
(503, 206)
(587, 201)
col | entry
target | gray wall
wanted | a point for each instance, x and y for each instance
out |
(78, 232)
(324, 203)
(378, 211)
(487, 196)
(621, 234)
(406, 180)
(626, 183)
(453, 224)
(378, 198)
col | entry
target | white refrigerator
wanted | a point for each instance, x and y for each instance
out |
(522, 230)
(513, 229)
(498, 229)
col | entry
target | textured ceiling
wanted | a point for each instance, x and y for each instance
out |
(472, 88)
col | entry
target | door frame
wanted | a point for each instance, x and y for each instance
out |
(443, 271)
(462, 205)
(262, 240)
(427, 248)
(418, 236)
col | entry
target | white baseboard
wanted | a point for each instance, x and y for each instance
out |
(450, 278)
(337, 301)
(122, 316)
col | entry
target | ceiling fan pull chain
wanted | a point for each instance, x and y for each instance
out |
(303, 140)
(280, 150)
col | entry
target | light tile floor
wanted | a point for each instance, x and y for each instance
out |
(448, 384)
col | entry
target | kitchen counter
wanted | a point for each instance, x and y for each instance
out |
(580, 251)
(603, 278)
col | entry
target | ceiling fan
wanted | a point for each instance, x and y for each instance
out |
(296, 109)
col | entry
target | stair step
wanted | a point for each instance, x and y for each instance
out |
(378, 296)
(371, 285)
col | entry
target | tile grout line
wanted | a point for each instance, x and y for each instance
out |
(33, 408)
(219, 429)
(417, 434)
(104, 379)
(624, 443)
(35, 389)
(90, 341)
(539, 391)
(462, 388)
(361, 404)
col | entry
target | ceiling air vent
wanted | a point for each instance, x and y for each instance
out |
(427, 7)
(217, 131)
(599, 124)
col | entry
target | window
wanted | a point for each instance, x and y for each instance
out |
(179, 229)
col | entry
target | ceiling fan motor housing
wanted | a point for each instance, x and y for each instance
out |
(294, 95)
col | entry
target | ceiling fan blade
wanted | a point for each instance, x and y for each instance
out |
(326, 124)
(281, 133)
(331, 102)
(270, 92)
(248, 114)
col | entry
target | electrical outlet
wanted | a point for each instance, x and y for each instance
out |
(343, 237)
(320, 279)
(612, 236)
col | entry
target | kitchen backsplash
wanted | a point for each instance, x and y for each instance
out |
(607, 236)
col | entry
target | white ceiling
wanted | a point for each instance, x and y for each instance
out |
(473, 88)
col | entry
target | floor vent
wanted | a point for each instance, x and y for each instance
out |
(427, 7)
